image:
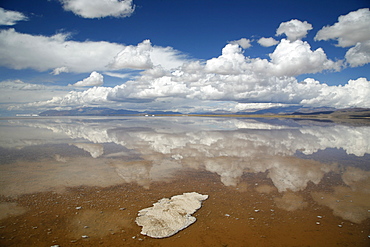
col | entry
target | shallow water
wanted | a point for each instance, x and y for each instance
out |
(271, 182)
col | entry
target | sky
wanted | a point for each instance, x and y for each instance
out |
(184, 55)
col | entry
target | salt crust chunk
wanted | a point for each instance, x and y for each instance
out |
(169, 216)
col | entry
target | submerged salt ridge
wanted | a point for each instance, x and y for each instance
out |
(169, 216)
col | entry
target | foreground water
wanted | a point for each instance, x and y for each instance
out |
(271, 182)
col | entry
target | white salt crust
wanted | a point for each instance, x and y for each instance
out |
(169, 216)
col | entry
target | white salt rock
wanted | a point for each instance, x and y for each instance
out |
(169, 216)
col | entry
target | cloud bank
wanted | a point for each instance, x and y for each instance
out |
(58, 53)
(99, 8)
(21, 51)
(165, 79)
(17, 91)
(230, 77)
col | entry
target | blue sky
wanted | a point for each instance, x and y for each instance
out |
(186, 55)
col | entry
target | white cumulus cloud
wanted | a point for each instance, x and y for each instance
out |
(294, 29)
(243, 43)
(99, 8)
(352, 29)
(10, 18)
(354, 94)
(267, 42)
(91, 96)
(232, 61)
(167, 57)
(349, 30)
(95, 79)
(288, 59)
(359, 54)
(134, 57)
(295, 58)
(145, 56)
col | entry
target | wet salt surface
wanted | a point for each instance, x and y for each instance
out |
(81, 182)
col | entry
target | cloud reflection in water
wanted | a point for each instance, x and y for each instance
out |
(143, 151)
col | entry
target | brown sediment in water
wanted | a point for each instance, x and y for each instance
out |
(231, 216)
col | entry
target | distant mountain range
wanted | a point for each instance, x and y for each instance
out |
(301, 111)
(97, 111)
(283, 111)
(274, 110)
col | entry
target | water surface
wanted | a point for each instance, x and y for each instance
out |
(271, 182)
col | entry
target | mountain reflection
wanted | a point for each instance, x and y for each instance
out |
(143, 150)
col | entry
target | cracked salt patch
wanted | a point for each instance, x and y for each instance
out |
(169, 216)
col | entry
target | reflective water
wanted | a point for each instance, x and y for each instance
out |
(271, 182)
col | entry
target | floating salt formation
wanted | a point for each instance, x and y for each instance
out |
(169, 216)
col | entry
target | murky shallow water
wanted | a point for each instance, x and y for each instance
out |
(270, 182)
